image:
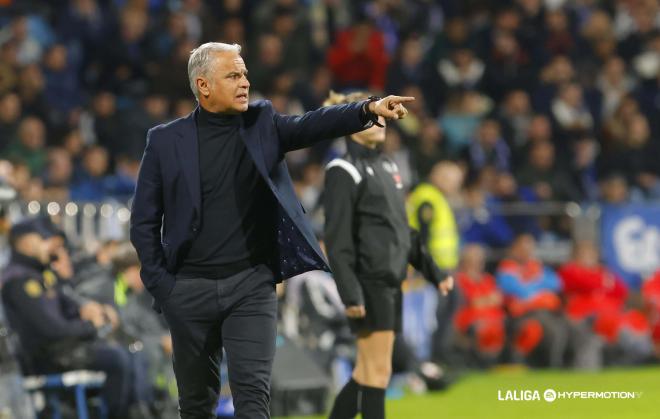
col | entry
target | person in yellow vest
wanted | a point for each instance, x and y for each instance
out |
(430, 213)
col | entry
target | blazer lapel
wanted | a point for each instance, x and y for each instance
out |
(188, 151)
(251, 138)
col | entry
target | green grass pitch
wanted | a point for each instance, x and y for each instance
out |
(476, 396)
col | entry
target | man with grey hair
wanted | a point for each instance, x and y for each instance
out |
(217, 224)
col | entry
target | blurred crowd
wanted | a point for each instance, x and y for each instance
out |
(556, 97)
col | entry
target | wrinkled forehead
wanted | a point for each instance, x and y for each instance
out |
(229, 60)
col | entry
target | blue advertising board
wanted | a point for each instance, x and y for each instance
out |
(630, 241)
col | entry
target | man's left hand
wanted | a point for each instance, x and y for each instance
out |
(446, 285)
(391, 107)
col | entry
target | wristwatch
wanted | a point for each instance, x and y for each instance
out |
(370, 116)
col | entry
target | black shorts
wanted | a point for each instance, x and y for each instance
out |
(383, 304)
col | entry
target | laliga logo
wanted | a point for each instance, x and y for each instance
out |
(550, 395)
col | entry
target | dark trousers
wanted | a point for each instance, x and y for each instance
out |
(238, 313)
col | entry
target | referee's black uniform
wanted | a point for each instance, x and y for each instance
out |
(368, 239)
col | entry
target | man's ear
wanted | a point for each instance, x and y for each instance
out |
(202, 86)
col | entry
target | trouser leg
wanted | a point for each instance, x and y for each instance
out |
(192, 313)
(249, 330)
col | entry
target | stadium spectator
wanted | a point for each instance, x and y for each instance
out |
(614, 190)
(464, 111)
(62, 92)
(634, 156)
(10, 112)
(651, 295)
(93, 276)
(539, 130)
(614, 84)
(29, 146)
(480, 318)
(31, 89)
(488, 148)
(479, 221)
(531, 292)
(358, 59)
(428, 149)
(515, 115)
(139, 321)
(58, 175)
(505, 190)
(542, 174)
(597, 296)
(429, 212)
(570, 113)
(407, 68)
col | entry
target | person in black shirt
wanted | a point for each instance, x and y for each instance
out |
(216, 223)
(235, 237)
(369, 247)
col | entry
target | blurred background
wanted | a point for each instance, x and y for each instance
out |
(530, 157)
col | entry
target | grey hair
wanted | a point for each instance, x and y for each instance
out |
(200, 59)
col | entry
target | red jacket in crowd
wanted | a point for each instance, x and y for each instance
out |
(358, 58)
(596, 292)
(651, 295)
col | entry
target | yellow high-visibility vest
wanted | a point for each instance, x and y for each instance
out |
(121, 291)
(443, 235)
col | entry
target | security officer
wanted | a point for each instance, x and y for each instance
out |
(55, 333)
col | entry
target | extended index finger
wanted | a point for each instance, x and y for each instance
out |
(402, 99)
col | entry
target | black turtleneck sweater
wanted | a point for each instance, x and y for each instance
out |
(236, 229)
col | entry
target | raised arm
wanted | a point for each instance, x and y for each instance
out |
(296, 132)
(335, 121)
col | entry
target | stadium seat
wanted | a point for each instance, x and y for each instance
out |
(54, 385)
(78, 381)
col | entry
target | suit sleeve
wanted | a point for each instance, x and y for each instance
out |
(296, 132)
(146, 223)
(420, 258)
(50, 324)
(339, 202)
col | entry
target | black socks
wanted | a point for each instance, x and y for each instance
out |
(346, 403)
(354, 398)
(373, 402)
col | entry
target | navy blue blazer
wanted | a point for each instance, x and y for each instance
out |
(166, 209)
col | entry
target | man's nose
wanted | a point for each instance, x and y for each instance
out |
(245, 82)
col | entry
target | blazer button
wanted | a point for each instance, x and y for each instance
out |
(194, 229)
